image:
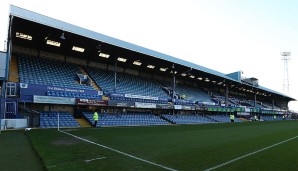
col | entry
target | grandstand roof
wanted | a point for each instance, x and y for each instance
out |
(38, 18)
(114, 45)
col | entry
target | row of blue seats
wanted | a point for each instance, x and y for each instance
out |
(140, 100)
(36, 70)
(223, 118)
(188, 118)
(188, 92)
(127, 83)
(125, 119)
(50, 120)
(72, 95)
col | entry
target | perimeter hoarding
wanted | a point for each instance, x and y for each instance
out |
(53, 100)
(91, 102)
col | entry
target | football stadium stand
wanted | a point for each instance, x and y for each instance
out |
(188, 118)
(189, 93)
(49, 69)
(223, 118)
(35, 70)
(50, 119)
(126, 83)
(126, 119)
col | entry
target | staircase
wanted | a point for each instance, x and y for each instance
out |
(93, 84)
(13, 70)
(83, 122)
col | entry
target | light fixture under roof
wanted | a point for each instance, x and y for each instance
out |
(98, 47)
(191, 76)
(183, 74)
(214, 81)
(163, 69)
(121, 59)
(53, 43)
(200, 78)
(23, 36)
(104, 55)
(78, 49)
(137, 63)
(151, 66)
(207, 80)
(62, 36)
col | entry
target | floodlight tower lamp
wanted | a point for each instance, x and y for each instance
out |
(286, 56)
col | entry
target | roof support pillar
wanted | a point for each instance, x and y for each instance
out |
(173, 87)
(115, 76)
(227, 96)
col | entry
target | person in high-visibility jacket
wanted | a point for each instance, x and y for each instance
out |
(95, 118)
(256, 118)
(232, 117)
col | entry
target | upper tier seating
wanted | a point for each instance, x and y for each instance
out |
(126, 83)
(125, 119)
(50, 120)
(35, 70)
(190, 93)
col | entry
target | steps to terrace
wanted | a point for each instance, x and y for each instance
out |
(83, 122)
(93, 84)
(13, 70)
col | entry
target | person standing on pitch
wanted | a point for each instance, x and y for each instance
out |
(95, 118)
(232, 117)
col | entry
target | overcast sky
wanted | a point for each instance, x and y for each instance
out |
(223, 35)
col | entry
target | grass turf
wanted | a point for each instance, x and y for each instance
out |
(16, 153)
(183, 147)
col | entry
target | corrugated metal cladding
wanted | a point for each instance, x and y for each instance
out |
(51, 22)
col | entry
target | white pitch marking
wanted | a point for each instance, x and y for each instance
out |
(99, 158)
(117, 151)
(249, 154)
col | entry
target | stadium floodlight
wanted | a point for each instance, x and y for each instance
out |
(53, 43)
(151, 66)
(23, 36)
(163, 69)
(79, 49)
(104, 55)
(121, 59)
(138, 63)
(62, 36)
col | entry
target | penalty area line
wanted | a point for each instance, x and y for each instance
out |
(120, 152)
(249, 154)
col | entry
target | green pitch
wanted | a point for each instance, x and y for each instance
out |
(180, 147)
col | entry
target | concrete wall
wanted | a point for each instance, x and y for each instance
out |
(14, 123)
(2, 65)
